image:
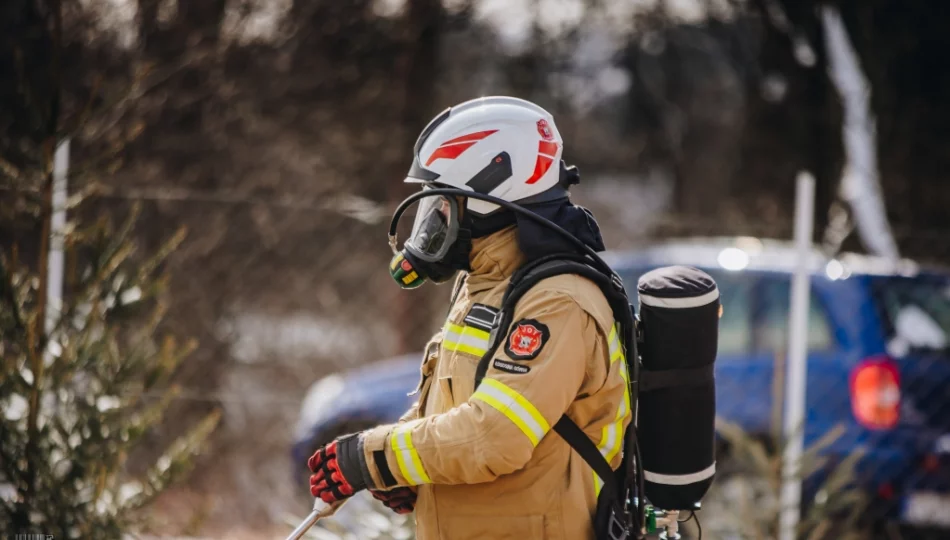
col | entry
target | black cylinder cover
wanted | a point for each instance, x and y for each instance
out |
(679, 326)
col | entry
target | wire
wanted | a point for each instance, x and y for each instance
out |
(699, 527)
(694, 517)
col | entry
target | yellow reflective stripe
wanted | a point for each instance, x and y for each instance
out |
(394, 442)
(461, 347)
(416, 462)
(468, 331)
(622, 412)
(406, 456)
(513, 416)
(531, 409)
(611, 439)
(515, 407)
(616, 351)
(466, 339)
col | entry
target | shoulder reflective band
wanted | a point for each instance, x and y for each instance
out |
(680, 479)
(514, 406)
(611, 438)
(409, 463)
(679, 303)
(467, 339)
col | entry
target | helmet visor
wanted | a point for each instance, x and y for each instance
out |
(434, 228)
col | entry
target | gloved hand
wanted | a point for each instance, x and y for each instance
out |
(401, 500)
(338, 470)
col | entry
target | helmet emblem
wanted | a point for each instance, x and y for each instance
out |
(545, 130)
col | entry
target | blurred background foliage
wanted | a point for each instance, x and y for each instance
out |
(80, 398)
(744, 501)
(278, 131)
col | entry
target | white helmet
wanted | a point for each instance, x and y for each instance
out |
(501, 146)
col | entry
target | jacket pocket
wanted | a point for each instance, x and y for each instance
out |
(461, 379)
(427, 371)
(448, 393)
(495, 527)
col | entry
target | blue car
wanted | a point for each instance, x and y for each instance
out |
(878, 365)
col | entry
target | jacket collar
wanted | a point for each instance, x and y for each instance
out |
(494, 259)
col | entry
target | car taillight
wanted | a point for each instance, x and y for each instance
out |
(876, 393)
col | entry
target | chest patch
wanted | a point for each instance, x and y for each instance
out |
(526, 339)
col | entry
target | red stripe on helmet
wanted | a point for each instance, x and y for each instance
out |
(548, 148)
(541, 166)
(449, 152)
(452, 149)
(470, 137)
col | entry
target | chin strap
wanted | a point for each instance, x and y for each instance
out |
(459, 254)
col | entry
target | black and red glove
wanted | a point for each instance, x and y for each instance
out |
(339, 470)
(401, 500)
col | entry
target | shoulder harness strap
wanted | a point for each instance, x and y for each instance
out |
(581, 443)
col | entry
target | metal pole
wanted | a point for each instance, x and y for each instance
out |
(797, 360)
(320, 511)
(57, 232)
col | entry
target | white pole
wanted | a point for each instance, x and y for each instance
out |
(57, 231)
(797, 359)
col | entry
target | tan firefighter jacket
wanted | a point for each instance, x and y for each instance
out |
(486, 461)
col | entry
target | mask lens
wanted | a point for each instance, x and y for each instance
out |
(435, 227)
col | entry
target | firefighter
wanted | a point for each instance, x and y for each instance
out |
(482, 463)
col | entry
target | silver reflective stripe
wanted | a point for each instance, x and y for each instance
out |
(680, 479)
(514, 410)
(679, 303)
(464, 339)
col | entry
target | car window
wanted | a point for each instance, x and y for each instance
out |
(916, 310)
(771, 328)
(735, 326)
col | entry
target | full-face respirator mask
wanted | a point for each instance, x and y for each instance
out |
(440, 242)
